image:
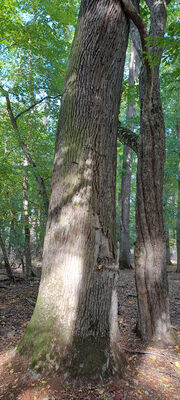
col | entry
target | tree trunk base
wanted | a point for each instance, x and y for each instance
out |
(168, 339)
(123, 264)
(89, 357)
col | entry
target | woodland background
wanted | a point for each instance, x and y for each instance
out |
(35, 43)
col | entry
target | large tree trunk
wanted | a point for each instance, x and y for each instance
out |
(150, 249)
(178, 210)
(75, 317)
(124, 258)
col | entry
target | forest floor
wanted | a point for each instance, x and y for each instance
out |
(151, 372)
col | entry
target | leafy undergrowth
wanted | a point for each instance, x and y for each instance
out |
(152, 371)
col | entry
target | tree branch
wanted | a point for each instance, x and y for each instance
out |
(128, 137)
(135, 37)
(132, 12)
(24, 147)
(35, 104)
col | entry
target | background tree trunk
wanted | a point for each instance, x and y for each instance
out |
(178, 211)
(168, 255)
(6, 260)
(124, 259)
(75, 317)
(27, 236)
(150, 249)
(26, 152)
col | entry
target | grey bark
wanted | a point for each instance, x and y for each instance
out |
(27, 236)
(168, 254)
(6, 260)
(77, 303)
(150, 248)
(124, 260)
(128, 137)
(10, 236)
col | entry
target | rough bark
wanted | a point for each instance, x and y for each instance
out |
(74, 325)
(6, 260)
(150, 248)
(178, 210)
(124, 259)
(128, 137)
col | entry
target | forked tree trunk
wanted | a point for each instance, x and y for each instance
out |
(150, 249)
(74, 325)
(124, 258)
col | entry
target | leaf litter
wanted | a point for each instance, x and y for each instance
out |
(152, 371)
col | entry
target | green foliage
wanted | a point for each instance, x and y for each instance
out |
(35, 40)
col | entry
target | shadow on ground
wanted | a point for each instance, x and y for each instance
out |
(151, 371)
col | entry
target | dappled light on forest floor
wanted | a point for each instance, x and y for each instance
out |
(151, 371)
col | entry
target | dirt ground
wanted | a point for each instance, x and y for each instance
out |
(152, 371)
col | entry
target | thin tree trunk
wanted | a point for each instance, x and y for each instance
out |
(150, 249)
(27, 237)
(6, 260)
(74, 324)
(124, 260)
(26, 152)
(168, 254)
(10, 236)
(178, 210)
(27, 243)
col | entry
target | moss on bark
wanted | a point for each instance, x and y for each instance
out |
(88, 357)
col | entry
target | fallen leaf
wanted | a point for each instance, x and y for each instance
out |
(165, 379)
(118, 397)
(100, 266)
(177, 364)
(139, 392)
(153, 357)
(113, 388)
(176, 347)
